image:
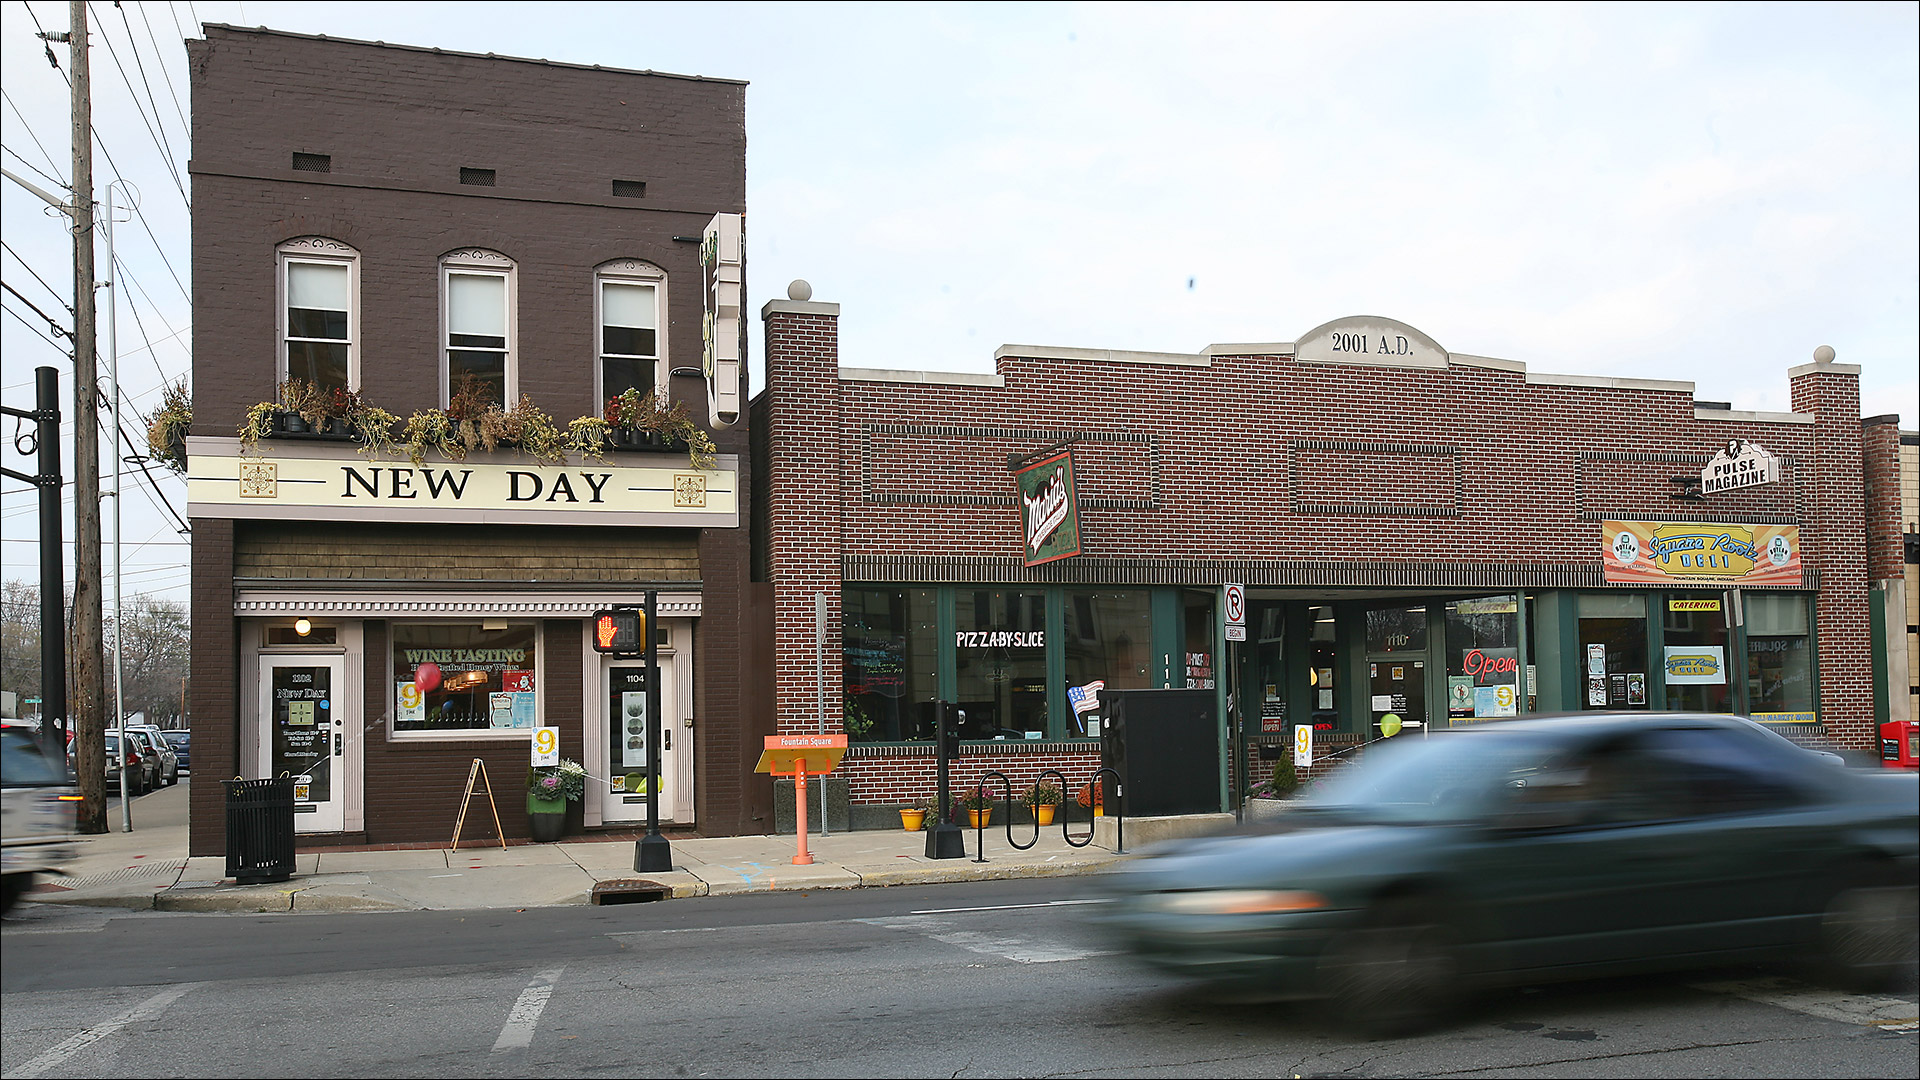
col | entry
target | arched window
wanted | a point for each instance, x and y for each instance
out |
(319, 287)
(477, 306)
(630, 302)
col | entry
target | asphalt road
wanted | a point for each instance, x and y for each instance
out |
(980, 979)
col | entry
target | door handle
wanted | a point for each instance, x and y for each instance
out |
(336, 744)
(667, 733)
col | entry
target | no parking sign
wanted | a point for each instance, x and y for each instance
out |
(1235, 610)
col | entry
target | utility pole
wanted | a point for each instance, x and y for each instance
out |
(89, 685)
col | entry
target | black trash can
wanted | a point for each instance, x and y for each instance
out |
(259, 830)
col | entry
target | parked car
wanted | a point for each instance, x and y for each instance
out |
(143, 765)
(157, 739)
(1536, 850)
(37, 807)
(181, 741)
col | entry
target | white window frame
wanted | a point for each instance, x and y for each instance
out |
(394, 734)
(317, 249)
(481, 261)
(631, 272)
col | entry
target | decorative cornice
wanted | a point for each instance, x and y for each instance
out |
(320, 244)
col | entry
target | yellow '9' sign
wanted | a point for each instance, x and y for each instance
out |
(546, 746)
(1302, 745)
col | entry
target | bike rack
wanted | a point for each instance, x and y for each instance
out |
(1006, 787)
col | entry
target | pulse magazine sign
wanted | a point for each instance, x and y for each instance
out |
(1049, 509)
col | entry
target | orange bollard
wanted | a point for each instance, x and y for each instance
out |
(803, 857)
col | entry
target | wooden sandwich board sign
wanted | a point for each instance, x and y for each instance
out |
(478, 772)
(799, 756)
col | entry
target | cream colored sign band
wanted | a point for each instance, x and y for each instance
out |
(348, 487)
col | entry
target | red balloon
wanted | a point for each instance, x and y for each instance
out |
(426, 677)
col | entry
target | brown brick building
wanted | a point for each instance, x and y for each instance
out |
(391, 221)
(1424, 536)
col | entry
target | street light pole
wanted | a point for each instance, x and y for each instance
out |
(653, 854)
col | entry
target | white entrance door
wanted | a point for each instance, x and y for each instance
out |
(621, 780)
(303, 708)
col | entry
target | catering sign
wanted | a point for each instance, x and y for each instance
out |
(1049, 509)
(1699, 553)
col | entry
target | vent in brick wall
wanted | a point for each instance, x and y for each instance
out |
(476, 177)
(630, 189)
(312, 162)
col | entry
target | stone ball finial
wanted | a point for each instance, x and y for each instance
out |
(800, 290)
(1823, 355)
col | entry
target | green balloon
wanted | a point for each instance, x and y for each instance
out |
(1390, 724)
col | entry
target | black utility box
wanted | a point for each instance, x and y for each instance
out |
(1165, 745)
(259, 830)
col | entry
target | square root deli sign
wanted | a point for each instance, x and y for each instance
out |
(1049, 509)
(1698, 553)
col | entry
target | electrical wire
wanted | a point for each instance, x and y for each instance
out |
(159, 138)
(8, 248)
(165, 73)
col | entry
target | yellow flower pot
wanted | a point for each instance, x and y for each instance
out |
(912, 819)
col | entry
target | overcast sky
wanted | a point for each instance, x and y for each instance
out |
(1698, 192)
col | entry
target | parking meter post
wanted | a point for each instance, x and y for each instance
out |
(944, 839)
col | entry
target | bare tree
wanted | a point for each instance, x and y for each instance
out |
(153, 657)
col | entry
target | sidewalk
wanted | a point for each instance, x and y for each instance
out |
(149, 868)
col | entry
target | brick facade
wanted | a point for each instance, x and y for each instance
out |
(365, 145)
(1250, 464)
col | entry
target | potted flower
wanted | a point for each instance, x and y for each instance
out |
(1093, 795)
(1043, 798)
(913, 816)
(978, 803)
(282, 415)
(549, 789)
(1267, 799)
(629, 419)
(300, 407)
(167, 434)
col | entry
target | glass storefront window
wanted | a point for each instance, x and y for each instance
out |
(1613, 651)
(1398, 629)
(889, 662)
(1320, 677)
(1779, 658)
(1109, 638)
(455, 678)
(1000, 657)
(1483, 658)
(1195, 668)
(1694, 627)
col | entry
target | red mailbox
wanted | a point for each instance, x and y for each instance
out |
(1900, 745)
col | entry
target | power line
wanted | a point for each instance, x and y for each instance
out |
(159, 140)
(51, 291)
(35, 329)
(57, 328)
(35, 138)
(164, 71)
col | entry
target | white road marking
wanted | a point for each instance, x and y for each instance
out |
(1006, 907)
(139, 1014)
(525, 1015)
(1018, 950)
(1867, 1010)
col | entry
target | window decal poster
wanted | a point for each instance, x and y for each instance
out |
(1696, 553)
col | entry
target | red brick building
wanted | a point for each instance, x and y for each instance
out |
(1425, 537)
(390, 220)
